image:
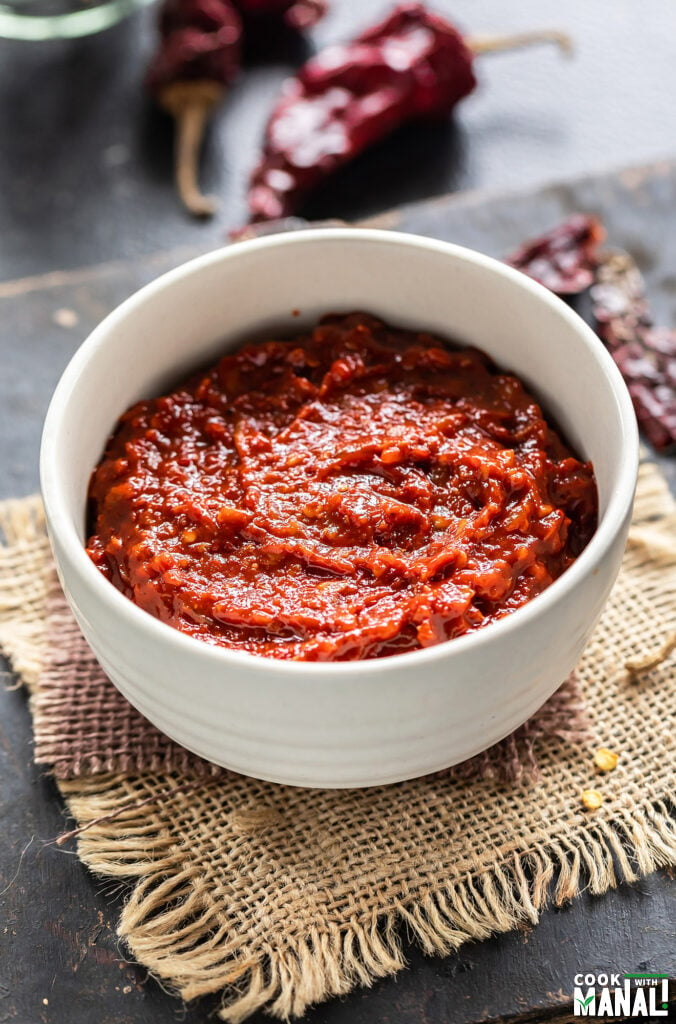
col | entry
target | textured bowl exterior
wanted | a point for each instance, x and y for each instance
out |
(357, 723)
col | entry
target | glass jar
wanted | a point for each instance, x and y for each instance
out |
(61, 19)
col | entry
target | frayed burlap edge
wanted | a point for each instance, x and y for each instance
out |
(24, 548)
(176, 935)
(171, 925)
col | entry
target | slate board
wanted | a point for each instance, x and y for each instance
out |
(59, 959)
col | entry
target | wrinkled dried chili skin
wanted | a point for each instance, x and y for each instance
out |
(645, 355)
(200, 40)
(412, 65)
(565, 258)
(357, 492)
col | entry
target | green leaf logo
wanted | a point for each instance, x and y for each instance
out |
(584, 1002)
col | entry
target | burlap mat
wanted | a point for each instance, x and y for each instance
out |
(278, 897)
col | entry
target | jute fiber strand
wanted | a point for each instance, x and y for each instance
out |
(277, 897)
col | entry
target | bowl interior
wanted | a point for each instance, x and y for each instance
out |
(279, 286)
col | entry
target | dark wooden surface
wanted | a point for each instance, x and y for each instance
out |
(85, 179)
(57, 923)
(85, 161)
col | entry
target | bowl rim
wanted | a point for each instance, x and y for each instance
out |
(119, 606)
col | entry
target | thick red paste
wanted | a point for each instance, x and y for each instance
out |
(356, 492)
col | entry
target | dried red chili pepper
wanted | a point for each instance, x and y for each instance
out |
(198, 58)
(414, 64)
(565, 258)
(645, 355)
(298, 14)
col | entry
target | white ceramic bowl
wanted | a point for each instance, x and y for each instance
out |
(355, 723)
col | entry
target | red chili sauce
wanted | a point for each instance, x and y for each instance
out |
(357, 492)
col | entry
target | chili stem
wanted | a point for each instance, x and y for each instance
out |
(190, 125)
(495, 44)
(190, 104)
